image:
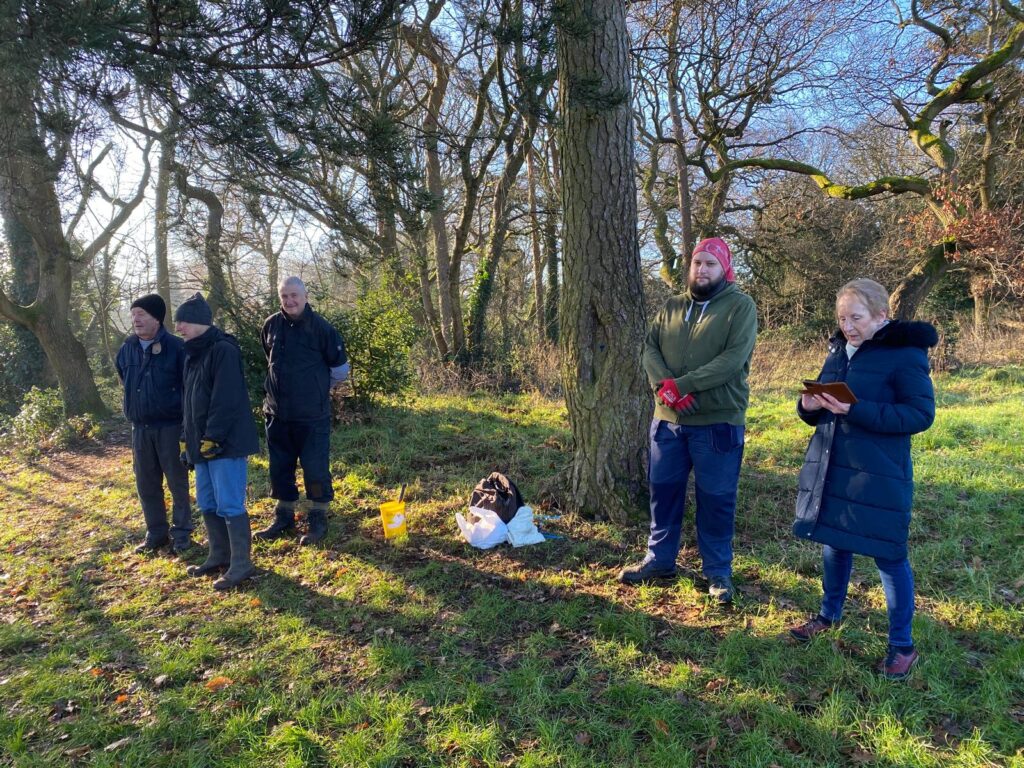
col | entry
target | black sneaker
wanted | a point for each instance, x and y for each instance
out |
(646, 572)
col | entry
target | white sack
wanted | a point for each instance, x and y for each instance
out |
(483, 528)
(521, 529)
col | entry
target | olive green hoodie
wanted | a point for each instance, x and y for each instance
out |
(706, 348)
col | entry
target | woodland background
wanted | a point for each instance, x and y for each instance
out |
(498, 195)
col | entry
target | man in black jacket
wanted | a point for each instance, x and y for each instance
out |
(150, 365)
(217, 437)
(306, 358)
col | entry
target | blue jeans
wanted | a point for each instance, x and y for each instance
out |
(290, 443)
(220, 486)
(714, 454)
(897, 583)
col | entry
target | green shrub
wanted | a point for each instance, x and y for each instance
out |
(22, 364)
(40, 424)
(379, 334)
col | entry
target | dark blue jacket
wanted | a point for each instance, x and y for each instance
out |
(152, 379)
(300, 355)
(217, 403)
(856, 486)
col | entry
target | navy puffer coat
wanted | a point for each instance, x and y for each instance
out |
(856, 486)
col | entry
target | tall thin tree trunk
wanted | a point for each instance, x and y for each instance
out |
(491, 260)
(980, 287)
(535, 243)
(602, 316)
(552, 208)
(219, 296)
(679, 139)
(419, 242)
(164, 179)
(273, 261)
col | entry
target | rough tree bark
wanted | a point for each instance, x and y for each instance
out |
(28, 179)
(602, 314)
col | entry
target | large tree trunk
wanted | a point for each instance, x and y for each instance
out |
(602, 315)
(914, 288)
(28, 187)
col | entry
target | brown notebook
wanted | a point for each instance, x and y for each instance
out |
(837, 389)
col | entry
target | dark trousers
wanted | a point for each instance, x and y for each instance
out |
(713, 454)
(291, 443)
(155, 456)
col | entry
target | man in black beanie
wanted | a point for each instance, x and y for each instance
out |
(150, 365)
(218, 434)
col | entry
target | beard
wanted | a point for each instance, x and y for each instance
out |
(703, 292)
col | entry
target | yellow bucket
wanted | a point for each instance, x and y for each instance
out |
(392, 515)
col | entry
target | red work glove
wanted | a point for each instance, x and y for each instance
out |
(669, 393)
(670, 396)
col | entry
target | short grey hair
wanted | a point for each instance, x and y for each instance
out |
(293, 280)
(871, 294)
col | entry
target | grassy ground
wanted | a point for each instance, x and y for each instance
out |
(430, 653)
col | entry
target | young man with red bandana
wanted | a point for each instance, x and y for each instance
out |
(697, 357)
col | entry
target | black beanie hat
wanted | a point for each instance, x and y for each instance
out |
(152, 305)
(194, 310)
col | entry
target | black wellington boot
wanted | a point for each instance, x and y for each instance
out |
(240, 538)
(220, 550)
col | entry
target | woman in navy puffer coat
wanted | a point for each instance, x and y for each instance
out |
(856, 486)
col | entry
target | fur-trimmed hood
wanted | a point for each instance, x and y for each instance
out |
(897, 333)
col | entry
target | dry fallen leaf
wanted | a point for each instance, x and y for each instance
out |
(117, 744)
(219, 682)
(160, 681)
(662, 726)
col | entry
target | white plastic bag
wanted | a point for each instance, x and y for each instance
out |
(521, 529)
(483, 528)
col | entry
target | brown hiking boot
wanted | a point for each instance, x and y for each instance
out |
(897, 665)
(804, 632)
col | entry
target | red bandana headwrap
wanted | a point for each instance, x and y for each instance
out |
(718, 248)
